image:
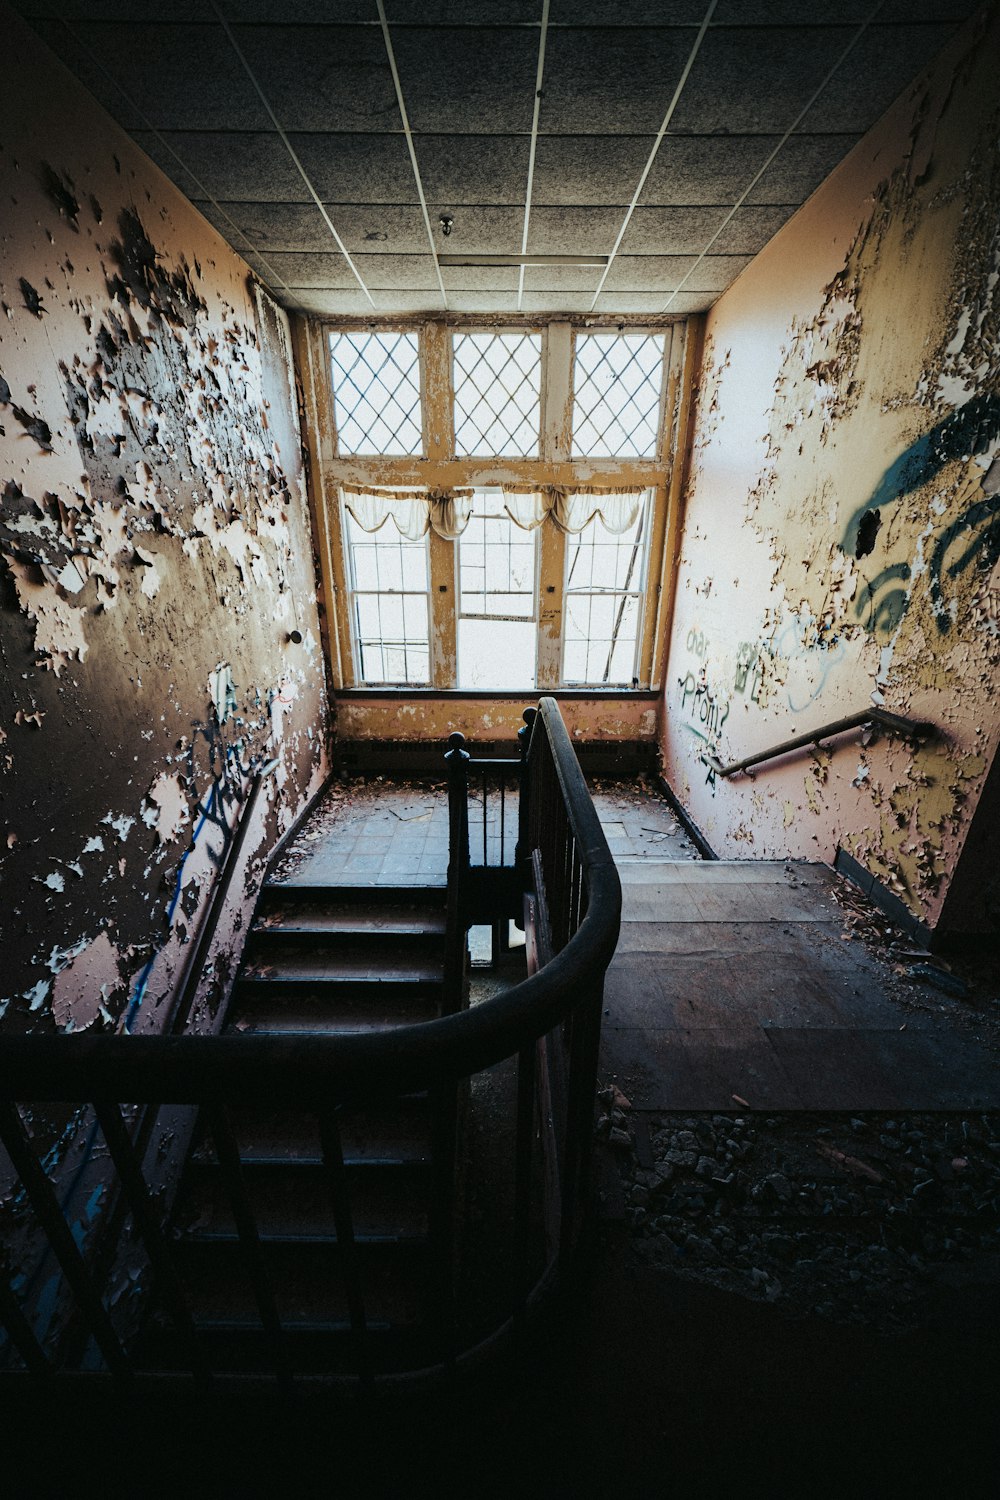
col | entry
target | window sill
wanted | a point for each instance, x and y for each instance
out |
(494, 695)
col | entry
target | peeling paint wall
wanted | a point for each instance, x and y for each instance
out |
(842, 527)
(155, 558)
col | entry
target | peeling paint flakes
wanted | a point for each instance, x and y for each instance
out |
(38, 994)
(82, 988)
(122, 824)
(95, 844)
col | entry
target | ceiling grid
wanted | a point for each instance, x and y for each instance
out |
(587, 160)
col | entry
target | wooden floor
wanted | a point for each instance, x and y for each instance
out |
(732, 983)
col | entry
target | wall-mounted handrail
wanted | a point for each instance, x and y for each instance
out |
(562, 1000)
(910, 729)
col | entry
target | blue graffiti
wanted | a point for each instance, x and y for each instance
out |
(971, 430)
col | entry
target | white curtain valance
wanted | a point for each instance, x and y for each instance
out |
(413, 512)
(447, 512)
(573, 510)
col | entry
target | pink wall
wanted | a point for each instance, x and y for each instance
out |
(842, 517)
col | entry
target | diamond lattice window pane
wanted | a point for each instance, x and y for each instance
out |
(376, 392)
(497, 400)
(617, 384)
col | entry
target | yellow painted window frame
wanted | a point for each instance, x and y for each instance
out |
(438, 468)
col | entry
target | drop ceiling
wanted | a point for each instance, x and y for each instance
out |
(664, 142)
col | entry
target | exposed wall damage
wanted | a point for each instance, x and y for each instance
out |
(155, 559)
(843, 533)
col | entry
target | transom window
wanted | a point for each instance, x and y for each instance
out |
(617, 386)
(504, 509)
(497, 393)
(376, 392)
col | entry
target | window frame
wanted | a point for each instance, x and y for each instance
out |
(438, 468)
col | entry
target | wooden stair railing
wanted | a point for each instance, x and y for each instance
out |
(548, 1026)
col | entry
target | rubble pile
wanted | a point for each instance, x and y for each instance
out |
(853, 1219)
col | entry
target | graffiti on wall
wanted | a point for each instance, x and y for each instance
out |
(972, 537)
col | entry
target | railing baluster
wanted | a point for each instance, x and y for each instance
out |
(21, 1333)
(444, 1126)
(43, 1200)
(524, 1139)
(246, 1227)
(130, 1171)
(503, 815)
(347, 1247)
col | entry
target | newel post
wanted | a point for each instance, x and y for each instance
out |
(523, 851)
(457, 761)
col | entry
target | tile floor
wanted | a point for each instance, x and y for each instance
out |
(386, 833)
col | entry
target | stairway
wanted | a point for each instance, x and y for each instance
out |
(319, 960)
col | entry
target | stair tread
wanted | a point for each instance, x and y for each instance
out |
(293, 1203)
(430, 892)
(330, 917)
(369, 965)
(326, 1014)
(308, 1287)
(400, 1133)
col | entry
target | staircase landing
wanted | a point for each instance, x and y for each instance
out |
(734, 984)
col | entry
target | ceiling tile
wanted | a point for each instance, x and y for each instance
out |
(330, 269)
(232, 166)
(687, 231)
(664, 272)
(755, 79)
(884, 61)
(272, 226)
(580, 279)
(177, 77)
(478, 231)
(626, 12)
(847, 12)
(480, 278)
(589, 169)
(327, 78)
(408, 302)
(461, 12)
(557, 302)
(355, 168)
(574, 231)
(646, 302)
(167, 162)
(458, 80)
(460, 169)
(610, 82)
(717, 169)
(482, 302)
(327, 303)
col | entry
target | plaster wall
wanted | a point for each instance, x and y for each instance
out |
(842, 525)
(155, 556)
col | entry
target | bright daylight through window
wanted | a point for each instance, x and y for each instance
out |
(496, 622)
(503, 515)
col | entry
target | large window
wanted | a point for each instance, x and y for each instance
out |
(537, 462)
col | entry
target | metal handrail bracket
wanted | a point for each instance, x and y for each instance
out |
(911, 729)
